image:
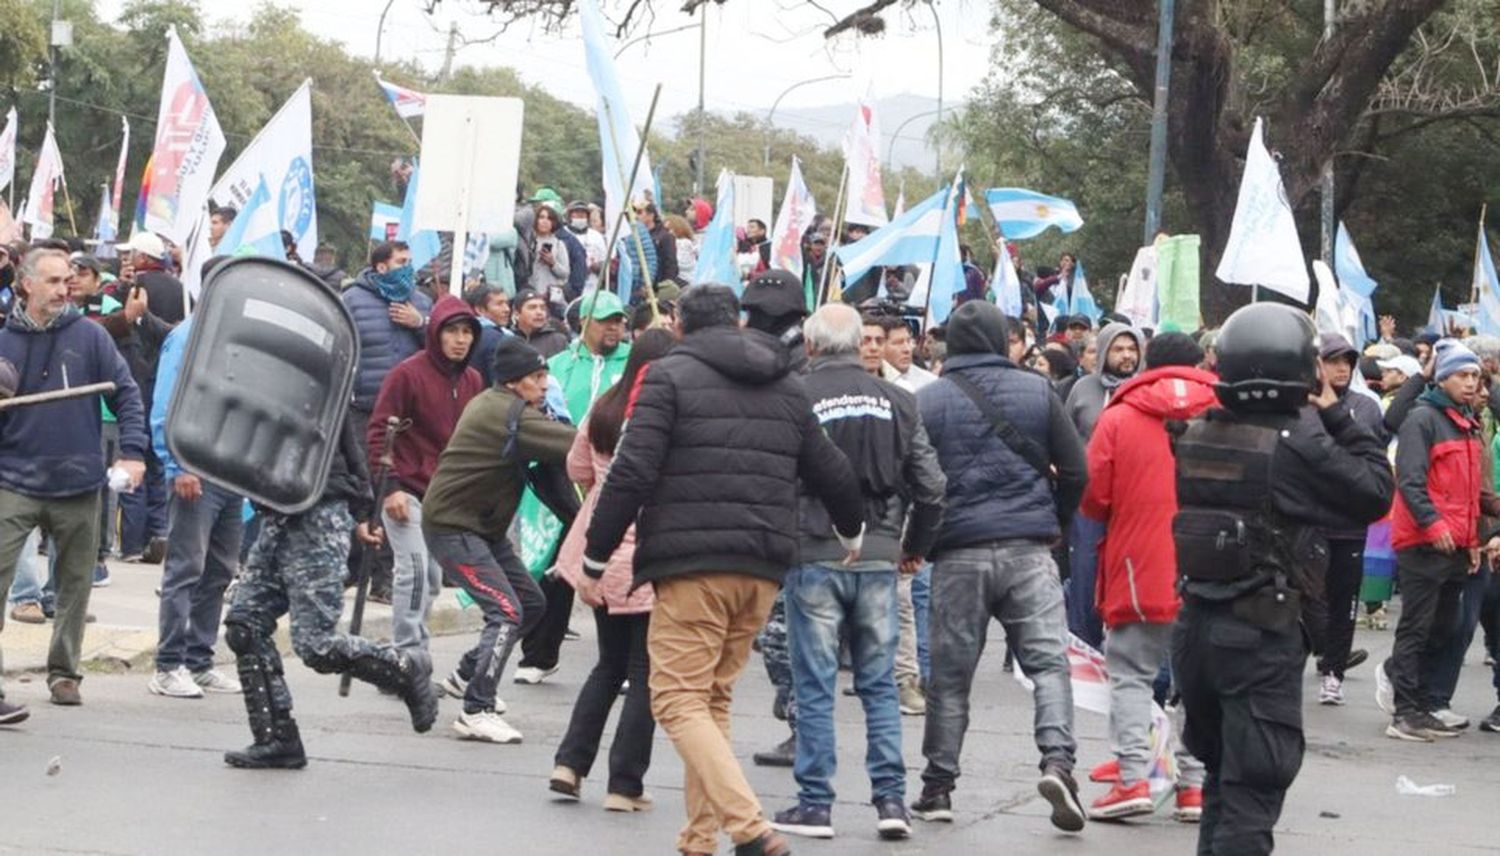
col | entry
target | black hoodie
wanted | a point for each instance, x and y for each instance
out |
(715, 441)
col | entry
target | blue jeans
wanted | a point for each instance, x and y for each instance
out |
(203, 548)
(1083, 565)
(27, 587)
(820, 602)
(143, 513)
(921, 604)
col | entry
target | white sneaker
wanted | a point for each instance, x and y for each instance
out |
(1331, 690)
(1385, 693)
(455, 686)
(533, 675)
(1451, 719)
(177, 683)
(214, 681)
(487, 726)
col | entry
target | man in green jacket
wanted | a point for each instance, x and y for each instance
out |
(467, 511)
(595, 360)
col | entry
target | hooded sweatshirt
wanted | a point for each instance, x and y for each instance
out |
(429, 390)
(53, 449)
(585, 375)
(1089, 395)
(719, 433)
(1132, 489)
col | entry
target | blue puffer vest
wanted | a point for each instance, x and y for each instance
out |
(382, 342)
(993, 493)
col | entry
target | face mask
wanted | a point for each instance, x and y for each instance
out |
(397, 284)
(578, 224)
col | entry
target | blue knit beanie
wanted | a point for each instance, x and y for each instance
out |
(1452, 358)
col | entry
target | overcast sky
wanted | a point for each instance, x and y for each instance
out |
(755, 49)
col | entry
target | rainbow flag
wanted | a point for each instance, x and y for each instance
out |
(1380, 563)
(139, 224)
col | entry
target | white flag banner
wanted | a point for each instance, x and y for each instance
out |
(8, 150)
(44, 183)
(866, 196)
(1263, 248)
(280, 155)
(1137, 300)
(797, 212)
(188, 145)
(618, 138)
(1328, 311)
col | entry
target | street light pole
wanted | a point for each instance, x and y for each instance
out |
(890, 148)
(702, 63)
(380, 29)
(52, 42)
(766, 156)
(938, 23)
(1330, 13)
(1156, 179)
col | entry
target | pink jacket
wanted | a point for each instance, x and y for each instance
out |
(587, 467)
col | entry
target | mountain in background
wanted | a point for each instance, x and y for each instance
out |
(827, 124)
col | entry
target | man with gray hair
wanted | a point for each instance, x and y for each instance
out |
(876, 425)
(51, 460)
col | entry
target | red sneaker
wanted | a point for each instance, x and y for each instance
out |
(1123, 801)
(1107, 773)
(1189, 805)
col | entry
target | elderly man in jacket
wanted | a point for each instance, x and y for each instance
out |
(708, 470)
(1000, 434)
(1132, 492)
(875, 424)
(51, 455)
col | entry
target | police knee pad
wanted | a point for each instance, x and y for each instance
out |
(240, 638)
(325, 659)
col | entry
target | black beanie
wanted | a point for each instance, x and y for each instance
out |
(1172, 349)
(514, 359)
(977, 327)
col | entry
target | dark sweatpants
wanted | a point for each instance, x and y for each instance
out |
(1346, 572)
(1242, 691)
(1431, 585)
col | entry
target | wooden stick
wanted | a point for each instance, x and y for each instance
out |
(57, 395)
(628, 213)
(835, 239)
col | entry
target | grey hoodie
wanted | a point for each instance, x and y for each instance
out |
(1089, 395)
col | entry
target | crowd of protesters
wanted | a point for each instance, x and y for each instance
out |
(729, 468)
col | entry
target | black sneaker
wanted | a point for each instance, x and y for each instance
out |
(15, 714)
(784, 754)
(934, 806)
(1436, 727)
(809, 821)
(1357, 656)
(892, 821)
(156, 550)
(1058, 788)
(1490, 723)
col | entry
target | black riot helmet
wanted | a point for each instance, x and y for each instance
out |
(1268, 359)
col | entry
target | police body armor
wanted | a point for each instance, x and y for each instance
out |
(1232, 544)
(265, 383)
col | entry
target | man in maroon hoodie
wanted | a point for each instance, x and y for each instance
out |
(1132, 490)
(427, 392)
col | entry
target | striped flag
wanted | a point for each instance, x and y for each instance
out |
(45, 180)
(385, 221)
(8, 150)
(797, 212)
(1486, 288)
(1022, 213)
(408, 102)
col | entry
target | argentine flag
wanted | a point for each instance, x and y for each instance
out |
(1024, 213)
(1082, 302)
(255, 231)
(1357, 284)
(907, 240)
(1486, 288)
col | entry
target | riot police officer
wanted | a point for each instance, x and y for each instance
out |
(1254, 481)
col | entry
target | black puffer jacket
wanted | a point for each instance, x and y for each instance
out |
(876, 425)
(707, 467)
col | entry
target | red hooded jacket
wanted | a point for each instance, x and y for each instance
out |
(1132, 488)
(431, 391)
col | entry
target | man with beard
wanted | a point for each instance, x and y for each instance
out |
(1120, 356)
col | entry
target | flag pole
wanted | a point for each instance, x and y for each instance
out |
(627, 214)
(1474, 287)
(932, 269)
(68, 201)
(838, 232)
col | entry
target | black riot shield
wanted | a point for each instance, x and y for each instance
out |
(265, 383)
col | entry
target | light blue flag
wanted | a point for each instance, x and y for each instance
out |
(948, 269)
(1083, 299)
(1351, 274)
(618, 139)
(381, 215)
(907, 240)
(716, 261)
(104, 228)
(255, 230)
(656, 187)
(426, 245)
(1008, 284)
(1437, 316)
(1024, 213)
(1486, 288)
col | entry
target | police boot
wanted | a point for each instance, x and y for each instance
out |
(282, 750)
(408, 674)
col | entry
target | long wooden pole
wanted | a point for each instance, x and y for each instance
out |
(834, 240)
(628, 214)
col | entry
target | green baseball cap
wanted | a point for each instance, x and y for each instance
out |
(601, 305)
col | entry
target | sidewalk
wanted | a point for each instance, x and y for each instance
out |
(124, 636)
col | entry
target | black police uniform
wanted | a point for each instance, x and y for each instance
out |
(1253, 484)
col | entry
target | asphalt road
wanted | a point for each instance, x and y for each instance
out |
(142, 774)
